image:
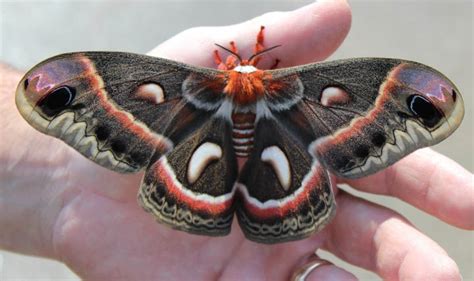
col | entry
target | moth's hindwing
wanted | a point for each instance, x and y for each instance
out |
(286, 193)
(362, 115)
(191, 188)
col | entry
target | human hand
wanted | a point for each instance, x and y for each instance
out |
(57, 204)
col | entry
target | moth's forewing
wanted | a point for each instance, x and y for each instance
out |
(112, 107)
(365, 114)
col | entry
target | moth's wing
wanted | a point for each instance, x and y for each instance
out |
(117, 109)
(285, 193)
(352, 117)
(127, 112)
(191, 188)
(359, 116)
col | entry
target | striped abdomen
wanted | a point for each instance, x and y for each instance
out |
(242, 133)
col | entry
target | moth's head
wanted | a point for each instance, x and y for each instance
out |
(426, 95)
(243, 65)
(48, 90)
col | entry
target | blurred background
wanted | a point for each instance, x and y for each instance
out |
(436, 33)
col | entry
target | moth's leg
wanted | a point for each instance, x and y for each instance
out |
(231, 60)
(233, 47)
(260, 38)
(259, 45)
(218, 60)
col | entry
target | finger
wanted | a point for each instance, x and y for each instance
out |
(430, 182)
(330, 272)
(378, 239)
(315, 268)
(308, 34)
(278, 261)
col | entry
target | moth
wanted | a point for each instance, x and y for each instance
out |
(190, 129)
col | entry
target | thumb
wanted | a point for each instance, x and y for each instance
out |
(310, 33)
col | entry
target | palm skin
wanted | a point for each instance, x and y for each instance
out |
(57, 204)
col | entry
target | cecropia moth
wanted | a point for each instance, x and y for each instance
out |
(190, 127)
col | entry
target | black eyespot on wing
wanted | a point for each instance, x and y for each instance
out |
(118, 146)
(57, 100)
(424, 110)
(139, 157)
(26, 83)
(454, 95)
(102, 133)
(378, 139)
(361, 151)
(341, 162)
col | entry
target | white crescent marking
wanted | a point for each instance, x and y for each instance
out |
(277, 159)
(334, 96)
(151, 92)
(201, 157)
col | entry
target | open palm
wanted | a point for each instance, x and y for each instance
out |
(61, 205)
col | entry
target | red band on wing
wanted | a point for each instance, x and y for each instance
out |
(126, 119)
(356, 128)
(314, 181)
(195, 201)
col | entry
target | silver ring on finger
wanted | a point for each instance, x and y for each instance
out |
(313, 262)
